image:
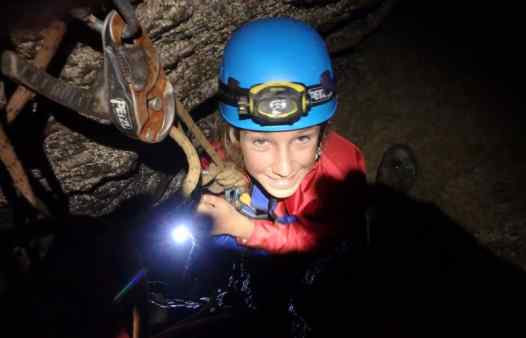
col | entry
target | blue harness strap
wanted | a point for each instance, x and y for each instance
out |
(263, 204)
(260, 200)
(284, 219)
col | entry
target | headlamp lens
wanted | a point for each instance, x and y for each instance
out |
(278, 107)
(277, 103)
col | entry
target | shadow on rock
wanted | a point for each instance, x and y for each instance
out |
(420, 275)
(411, 271)
(70, 292)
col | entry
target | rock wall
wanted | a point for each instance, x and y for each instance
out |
(97, 168)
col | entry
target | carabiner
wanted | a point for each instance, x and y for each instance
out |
(127, 11)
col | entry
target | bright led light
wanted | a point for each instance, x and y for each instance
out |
(181, 234)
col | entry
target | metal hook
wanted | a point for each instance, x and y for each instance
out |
(84, 14)
(127, 11)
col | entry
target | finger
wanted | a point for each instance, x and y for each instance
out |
(202, 208)
(213, 203)
(204, 199)
(205, 206)
(211, 199)
(215, 188)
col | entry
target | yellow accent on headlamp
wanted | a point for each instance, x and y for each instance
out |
(278, 102)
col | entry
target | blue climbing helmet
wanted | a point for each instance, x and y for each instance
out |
(276, 75)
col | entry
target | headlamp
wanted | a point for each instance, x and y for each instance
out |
(276, 102)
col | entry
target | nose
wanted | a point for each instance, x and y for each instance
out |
(283, 162)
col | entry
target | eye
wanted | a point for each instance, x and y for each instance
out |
(303, 138)
(259, 142)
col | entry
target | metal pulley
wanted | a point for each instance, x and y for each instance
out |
(135, 93)
(140, 98)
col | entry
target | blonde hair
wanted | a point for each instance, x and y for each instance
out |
(222, 134)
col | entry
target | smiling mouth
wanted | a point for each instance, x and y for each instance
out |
(283, 183)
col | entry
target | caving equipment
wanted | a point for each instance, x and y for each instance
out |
(136, 95)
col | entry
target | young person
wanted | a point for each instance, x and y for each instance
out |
(277, 96)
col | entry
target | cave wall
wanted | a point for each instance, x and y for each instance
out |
(94, 167)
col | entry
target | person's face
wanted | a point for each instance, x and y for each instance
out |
(279, 160)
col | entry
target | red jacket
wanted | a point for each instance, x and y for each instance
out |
(326, 201)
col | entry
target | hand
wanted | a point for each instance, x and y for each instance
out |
(226, 219)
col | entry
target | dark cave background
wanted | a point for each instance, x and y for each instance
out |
(443, 77)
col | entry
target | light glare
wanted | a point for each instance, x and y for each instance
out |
(181, 234)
